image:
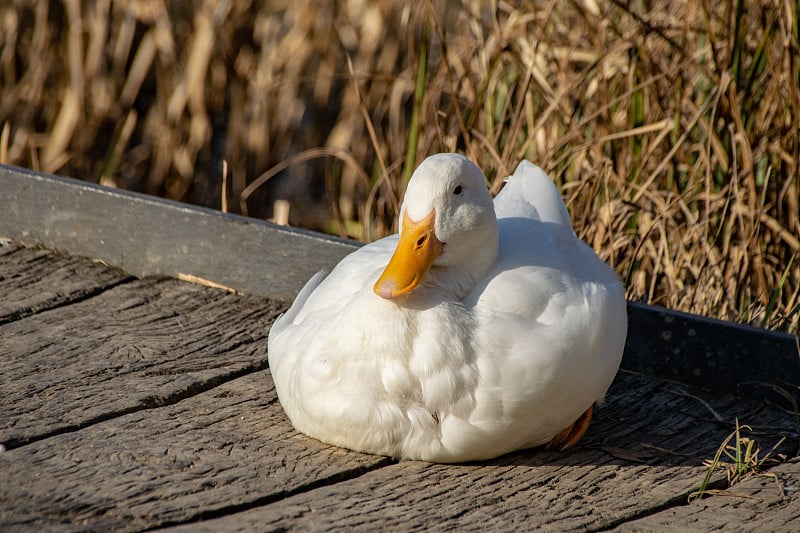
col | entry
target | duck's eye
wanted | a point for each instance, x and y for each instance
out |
(459, 189)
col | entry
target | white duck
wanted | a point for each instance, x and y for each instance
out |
(482, 329)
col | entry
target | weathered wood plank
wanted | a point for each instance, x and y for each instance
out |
(32, 280)
(137, 345)
(644, 451)
(712, 354)
(8, 247)
(150, 236)
(763, 503)
(220, 450)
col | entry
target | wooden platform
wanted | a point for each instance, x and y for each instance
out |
(133, 403)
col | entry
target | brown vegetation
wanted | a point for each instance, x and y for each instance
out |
(673, 131)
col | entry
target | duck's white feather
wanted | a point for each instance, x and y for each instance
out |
(530, 193)
(535, 343)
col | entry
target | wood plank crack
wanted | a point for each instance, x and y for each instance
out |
(229, 448)
(33, 281)
(144, 404)
(382, 462)
(766, 502)
(142, 344)
(611, 478)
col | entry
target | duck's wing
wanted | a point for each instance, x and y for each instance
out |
(328, 293)
(542, 267)
(299, 301)
(320, 317)
(551, 312)
(530, 193)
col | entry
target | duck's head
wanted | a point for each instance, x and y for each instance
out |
(448, 230)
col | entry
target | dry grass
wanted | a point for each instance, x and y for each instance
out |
(740, 458)
(672, 131)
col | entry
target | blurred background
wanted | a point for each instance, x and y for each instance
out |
(672, 128)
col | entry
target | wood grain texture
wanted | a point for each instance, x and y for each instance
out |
(140, 344)
(145, 235)
(768, 502)
(148, 404)
(643, 452)
(222, 449)
(32, 280)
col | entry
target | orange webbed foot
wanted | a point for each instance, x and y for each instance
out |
(570, 436)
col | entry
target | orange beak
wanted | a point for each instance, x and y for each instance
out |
(417, 249)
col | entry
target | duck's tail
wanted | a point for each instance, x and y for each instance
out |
(530, 193)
